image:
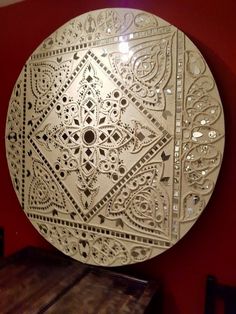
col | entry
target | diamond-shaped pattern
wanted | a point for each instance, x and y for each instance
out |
(89, 120)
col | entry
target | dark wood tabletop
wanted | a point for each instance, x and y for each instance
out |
(40, 281)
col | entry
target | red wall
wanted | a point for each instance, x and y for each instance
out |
(209, 248)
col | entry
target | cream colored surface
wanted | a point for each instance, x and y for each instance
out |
(5, 3)
(114, 137)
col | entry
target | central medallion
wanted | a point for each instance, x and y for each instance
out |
(95, 136)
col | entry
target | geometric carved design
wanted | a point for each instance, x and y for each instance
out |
(114, 136)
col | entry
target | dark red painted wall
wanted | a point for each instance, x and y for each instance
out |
(210, 245)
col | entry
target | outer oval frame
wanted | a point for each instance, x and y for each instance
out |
(203, 141)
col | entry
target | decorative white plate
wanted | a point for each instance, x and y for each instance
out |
(114, 136)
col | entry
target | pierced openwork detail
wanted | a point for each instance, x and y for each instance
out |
(114, 137)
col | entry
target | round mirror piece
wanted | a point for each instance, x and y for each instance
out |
(114, 136)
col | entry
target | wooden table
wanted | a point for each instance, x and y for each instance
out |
(38, 281)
